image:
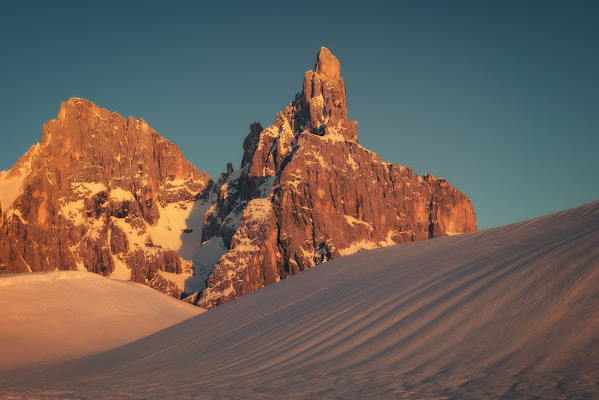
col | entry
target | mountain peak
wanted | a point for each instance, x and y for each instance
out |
(74, 103)
(307, 192)
(98, 193)
(323, 100)
(327, 64)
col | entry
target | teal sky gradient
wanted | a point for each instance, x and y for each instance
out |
(501, 98)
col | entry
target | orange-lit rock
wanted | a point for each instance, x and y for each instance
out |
(308, 192)
(90, 192)
(112, 196)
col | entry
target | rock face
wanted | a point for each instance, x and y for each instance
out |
(307, 192)
(110, 195)
(100, 193)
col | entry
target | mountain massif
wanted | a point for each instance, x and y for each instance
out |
(110, 195)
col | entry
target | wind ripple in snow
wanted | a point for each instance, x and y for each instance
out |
(512, 311)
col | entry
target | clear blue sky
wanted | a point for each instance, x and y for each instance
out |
(501, 98)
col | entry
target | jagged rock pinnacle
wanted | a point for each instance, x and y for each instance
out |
(324, 106)
(307, 192)
(327, 64)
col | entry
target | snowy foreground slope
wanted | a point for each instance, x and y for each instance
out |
(512, 311)
(50, 316)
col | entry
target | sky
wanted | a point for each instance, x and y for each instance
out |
(500, 98)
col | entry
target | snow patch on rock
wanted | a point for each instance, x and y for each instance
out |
(120, 194)
(11, 187)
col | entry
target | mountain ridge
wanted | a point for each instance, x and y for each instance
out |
(110, 195)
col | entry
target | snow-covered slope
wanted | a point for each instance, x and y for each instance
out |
(50, 316)
(512, 311)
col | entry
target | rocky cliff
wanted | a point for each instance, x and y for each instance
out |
(100, 193)
(110, 195)
(307, 192)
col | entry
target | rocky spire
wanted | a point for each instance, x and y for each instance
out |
(320, 109)
(251, 142)
(323, 108)
(307, 192)
(327, 64)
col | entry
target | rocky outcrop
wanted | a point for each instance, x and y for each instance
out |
(307, 192)
(101, 193)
